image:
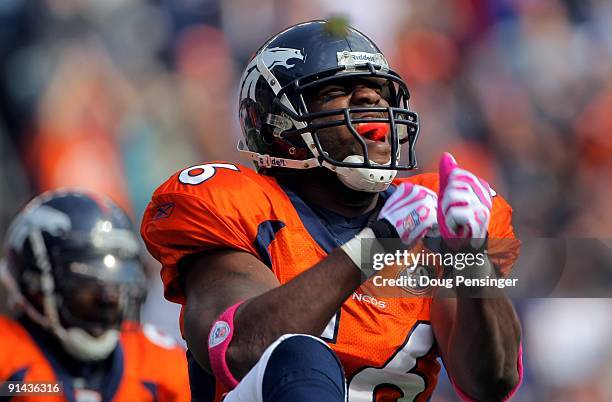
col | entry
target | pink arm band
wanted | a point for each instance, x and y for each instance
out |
(219, 339)
(519, 366)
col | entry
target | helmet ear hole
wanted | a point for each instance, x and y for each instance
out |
(267, 135)
(251, 123)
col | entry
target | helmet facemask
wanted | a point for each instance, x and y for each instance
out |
(87, 335)
(114, 283)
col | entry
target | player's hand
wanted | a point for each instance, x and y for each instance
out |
(410, 213)
(464, 206)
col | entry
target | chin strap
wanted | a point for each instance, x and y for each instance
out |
(364, 179)
(359, 179)
(267, 161)
(85, 347)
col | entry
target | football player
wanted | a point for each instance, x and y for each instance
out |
(277, 304)
(74, 276)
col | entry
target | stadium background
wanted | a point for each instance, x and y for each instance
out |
(115, 95)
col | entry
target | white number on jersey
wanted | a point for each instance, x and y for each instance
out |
(200, 173)
(396, 373)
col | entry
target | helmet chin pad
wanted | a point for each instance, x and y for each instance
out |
(85, 347)
(363, 179)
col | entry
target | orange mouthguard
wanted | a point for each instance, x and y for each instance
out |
(373, 131)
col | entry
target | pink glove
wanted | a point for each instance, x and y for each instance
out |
(411, 211)
(464, 206)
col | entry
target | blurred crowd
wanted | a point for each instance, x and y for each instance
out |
(116, 95)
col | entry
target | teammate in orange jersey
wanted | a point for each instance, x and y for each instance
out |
(73, 271)
(268, 264)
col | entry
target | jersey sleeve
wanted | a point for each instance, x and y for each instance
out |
(188, 215)
(503, 246)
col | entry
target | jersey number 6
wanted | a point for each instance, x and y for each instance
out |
(398, 379)
(200, 173)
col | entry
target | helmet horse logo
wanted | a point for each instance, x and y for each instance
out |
(273, 57)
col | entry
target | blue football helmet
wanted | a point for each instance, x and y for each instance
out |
(279, 130)
(64, 248)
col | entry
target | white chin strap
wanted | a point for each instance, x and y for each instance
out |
(359, 179)
(85, 347)
(363, 179)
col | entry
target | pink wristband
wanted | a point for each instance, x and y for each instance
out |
(219, 339)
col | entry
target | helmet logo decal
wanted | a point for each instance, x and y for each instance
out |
(273, 57)
(44, 217)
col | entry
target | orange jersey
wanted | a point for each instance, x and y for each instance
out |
(146, 366)
(384, 342)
